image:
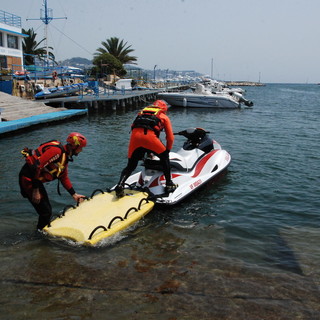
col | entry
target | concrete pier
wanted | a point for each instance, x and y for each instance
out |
(13, 108)
(112, 99)
(19, 114)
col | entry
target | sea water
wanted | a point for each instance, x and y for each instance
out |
(246, 247)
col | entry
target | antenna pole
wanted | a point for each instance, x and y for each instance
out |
(46, 17)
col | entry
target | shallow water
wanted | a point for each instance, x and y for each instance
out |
(244, 248)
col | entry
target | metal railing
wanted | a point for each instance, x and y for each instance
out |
(10, 19)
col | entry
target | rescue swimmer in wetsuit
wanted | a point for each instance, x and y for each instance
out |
(144, 138)
(44, 164)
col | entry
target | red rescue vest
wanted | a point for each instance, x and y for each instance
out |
(54, 168)
(149, 119)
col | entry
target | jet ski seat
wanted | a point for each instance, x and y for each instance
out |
(156, 165)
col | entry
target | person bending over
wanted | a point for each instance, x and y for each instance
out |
(144, 138)
(47, 163)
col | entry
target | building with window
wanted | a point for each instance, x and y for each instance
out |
(11, 54)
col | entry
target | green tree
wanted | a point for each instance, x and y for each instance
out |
(32, 48)
(106, 63)
(118, 49)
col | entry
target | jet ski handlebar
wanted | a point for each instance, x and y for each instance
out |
(192, 133)
(196, 138)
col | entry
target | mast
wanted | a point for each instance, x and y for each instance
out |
(212, 68)
(46, 17)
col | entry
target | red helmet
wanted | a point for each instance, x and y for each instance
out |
(76, 140)
(161, 104)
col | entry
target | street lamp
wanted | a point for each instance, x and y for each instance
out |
(167, 78)
(154, 73)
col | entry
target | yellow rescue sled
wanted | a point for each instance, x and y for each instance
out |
(100, 216)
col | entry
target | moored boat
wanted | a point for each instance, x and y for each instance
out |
(203, 97)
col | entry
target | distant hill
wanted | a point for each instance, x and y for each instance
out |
(77, 62)
(86, 64)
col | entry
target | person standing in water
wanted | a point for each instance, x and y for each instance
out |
(47, 163)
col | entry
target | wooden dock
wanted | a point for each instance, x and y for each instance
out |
(105, 99)
(14, 108)
(17, 114)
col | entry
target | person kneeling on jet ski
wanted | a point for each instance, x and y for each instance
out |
(46, 163)
(144, 138)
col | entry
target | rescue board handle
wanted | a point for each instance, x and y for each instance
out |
(84, 198)
(70, 206)
(66, 208)
(115, 218)
(95, 229)
(141, 201)
(129, 210)
(95, 191)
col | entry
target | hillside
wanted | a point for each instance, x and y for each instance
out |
(77, 62)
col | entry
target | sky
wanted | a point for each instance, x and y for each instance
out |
(274, 41)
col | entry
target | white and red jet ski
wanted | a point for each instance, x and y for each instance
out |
(200, 160)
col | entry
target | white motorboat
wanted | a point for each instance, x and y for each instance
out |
(218, 86)
(204, 97)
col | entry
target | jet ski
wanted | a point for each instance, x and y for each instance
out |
(199, 161)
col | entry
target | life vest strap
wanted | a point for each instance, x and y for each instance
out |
(32, 158)
(148, 119)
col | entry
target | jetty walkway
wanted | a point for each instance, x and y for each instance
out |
(14, 108)
(18, 114)
(104, 99)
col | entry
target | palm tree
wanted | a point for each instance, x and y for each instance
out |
(118, 49)
(31, 48)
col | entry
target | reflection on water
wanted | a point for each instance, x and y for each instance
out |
(244, 248)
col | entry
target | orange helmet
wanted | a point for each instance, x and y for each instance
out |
(161, 104)
(76, 140)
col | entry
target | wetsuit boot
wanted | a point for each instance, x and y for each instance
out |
(120, 186)
(164, 159)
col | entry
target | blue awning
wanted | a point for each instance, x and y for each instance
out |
(13, 32)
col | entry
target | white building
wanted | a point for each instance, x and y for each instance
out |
(11, 54)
